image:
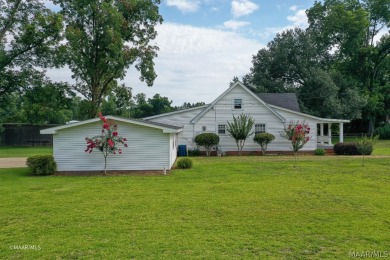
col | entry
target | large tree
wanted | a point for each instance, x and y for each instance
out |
(28, 33)
(103, 39)
(351, 29)
(152, 106)
(295, 62)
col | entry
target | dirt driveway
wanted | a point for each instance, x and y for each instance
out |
(12, 162)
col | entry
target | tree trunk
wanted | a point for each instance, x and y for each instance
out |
(371, 125)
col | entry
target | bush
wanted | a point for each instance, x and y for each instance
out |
(41, 165)
(184, 163)
(365, 146)
(208, 140)
(345, 149)
(263, 139)
(319, 151)
(383, 132)
(194, 152)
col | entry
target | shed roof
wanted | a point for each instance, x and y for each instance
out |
(166, 128)
(284, 100)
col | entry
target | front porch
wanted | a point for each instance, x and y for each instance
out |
(324, 133)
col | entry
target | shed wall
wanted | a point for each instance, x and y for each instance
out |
(148, 149)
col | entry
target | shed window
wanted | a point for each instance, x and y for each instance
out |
(237, 103)
(221, 129)
(259, 128)
(204, 128)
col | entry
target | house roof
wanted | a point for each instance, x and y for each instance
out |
(324, 120)
(166, 128)
(175, 112)
(201, 114)
(284, 100)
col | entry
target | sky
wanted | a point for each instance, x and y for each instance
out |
(203, 44)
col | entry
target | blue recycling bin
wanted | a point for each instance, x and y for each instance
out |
(182, 150)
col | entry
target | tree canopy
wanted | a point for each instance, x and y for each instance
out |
(103, 39)
(29, 33)
(338, 66)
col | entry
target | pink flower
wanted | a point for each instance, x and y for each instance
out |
(125, 145)
(110, 143)
(124, 139)
(115, 133)
(106, 126)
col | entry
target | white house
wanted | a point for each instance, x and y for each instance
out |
(270, 112)
(151, 145)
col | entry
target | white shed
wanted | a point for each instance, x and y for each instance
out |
(151, 145)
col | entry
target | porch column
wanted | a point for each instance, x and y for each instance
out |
(329, 133)
(322, 133)
(341, 134)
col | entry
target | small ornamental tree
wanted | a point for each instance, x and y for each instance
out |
(297, 133)
(263, 139)
(365, 146)
(207, 140)
(240, 129)
(108, 141)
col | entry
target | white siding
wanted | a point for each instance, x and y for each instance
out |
(223, 111)
(312, 144)
(181, 119)
(173, 138)
(148, 149)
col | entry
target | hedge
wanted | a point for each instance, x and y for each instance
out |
(41, 165)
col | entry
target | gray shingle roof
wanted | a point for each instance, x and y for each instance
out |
(284, 100)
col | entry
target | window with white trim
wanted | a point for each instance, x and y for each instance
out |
(221, 129)
(237, 103)
(259, 128)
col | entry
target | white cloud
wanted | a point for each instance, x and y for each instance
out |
(299, 19)
(186, 6)
(243, 7)
(196, 64)
(293, 8)
(382, 32)
(234, 25)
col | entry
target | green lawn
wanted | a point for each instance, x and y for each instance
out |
(223, 208)
(23, 151)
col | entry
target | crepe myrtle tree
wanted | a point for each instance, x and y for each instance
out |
(240, 129)
(298, 134)
(107, 142)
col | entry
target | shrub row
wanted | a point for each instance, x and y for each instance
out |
(345, 149)
(363, 147)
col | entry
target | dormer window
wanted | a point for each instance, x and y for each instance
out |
(237, 103)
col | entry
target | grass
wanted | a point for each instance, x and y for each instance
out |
(23, 151)
(222, 208)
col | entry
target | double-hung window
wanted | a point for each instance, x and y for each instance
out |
(221, 129)
(259, 128)
(237, 103)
